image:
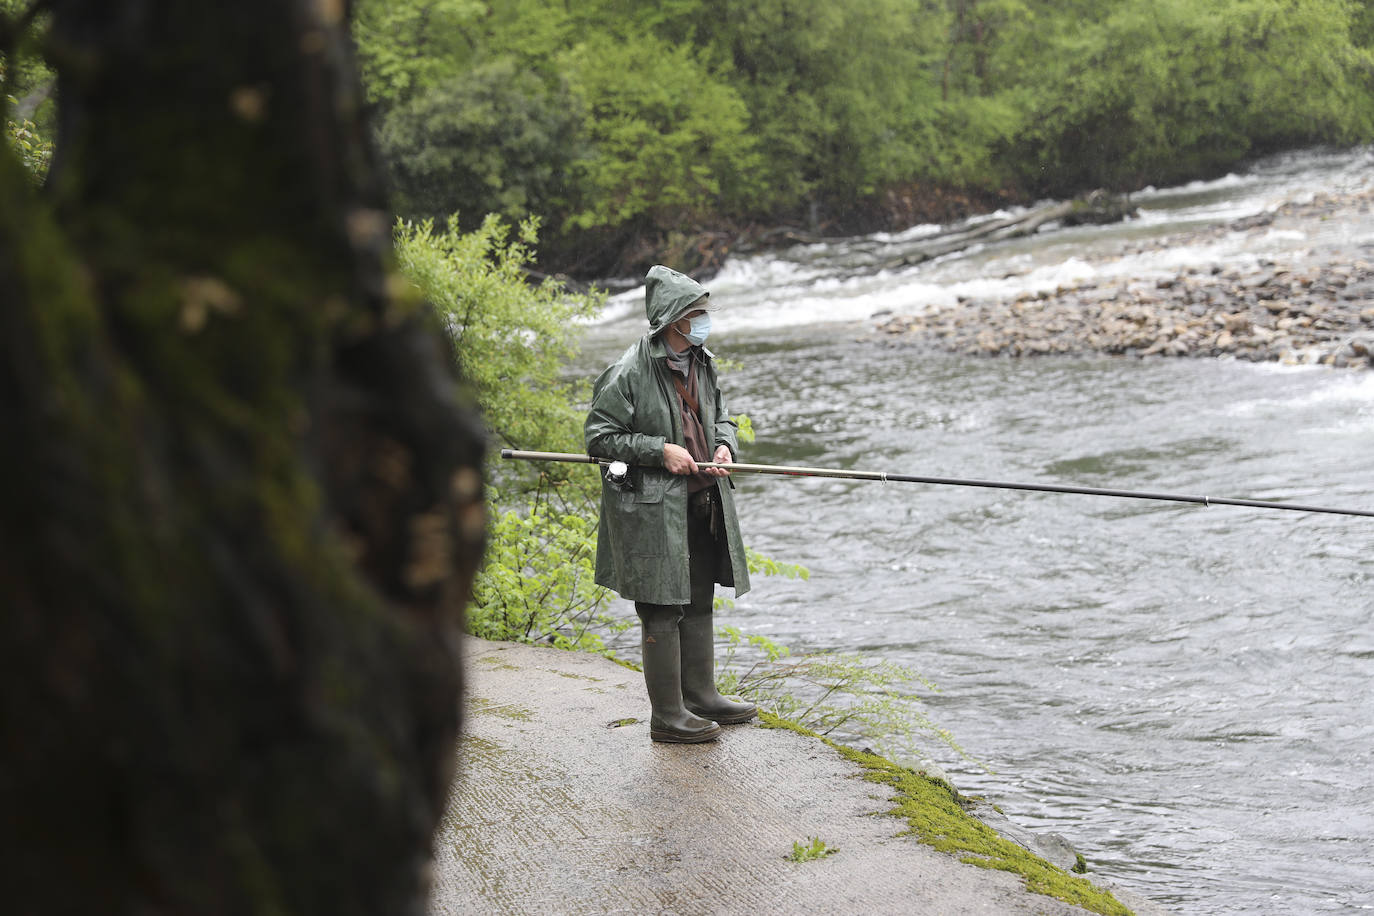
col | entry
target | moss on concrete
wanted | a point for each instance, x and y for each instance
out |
(936, 814)
(483, 706)
(579, 677)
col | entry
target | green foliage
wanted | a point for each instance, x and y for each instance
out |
(537, 583)
(844, 694)
(1162, 90)
(33, 150)
(26, 80)
(1362, 25)
(814, 849)
(758, 563)
(612, 120)
(838, 94)
(744, 431)
(25, 84)
(493, 139)
(405, 48)
(670, 140)
(512, 340)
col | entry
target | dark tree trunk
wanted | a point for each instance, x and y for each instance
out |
(241, 489)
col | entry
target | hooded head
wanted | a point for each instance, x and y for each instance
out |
(668, 295)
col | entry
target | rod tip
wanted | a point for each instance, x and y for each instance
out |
(505, 453)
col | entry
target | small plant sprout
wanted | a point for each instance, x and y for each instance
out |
(816, 849)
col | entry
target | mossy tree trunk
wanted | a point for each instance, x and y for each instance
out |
(241, 488)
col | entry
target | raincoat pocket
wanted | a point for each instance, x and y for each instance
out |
(651, 487)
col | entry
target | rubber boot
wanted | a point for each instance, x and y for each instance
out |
(669, 720)
(699, 693)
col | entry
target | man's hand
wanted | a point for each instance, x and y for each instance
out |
(722, 456)
(677, 460)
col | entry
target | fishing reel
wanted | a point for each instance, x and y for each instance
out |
(618, 475)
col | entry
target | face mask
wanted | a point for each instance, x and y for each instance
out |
(701, 326)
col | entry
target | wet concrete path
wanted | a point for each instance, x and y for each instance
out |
(563, 805)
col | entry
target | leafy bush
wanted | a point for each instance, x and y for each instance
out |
(494, 139)
(511, 337)
(537, 583)
(512, 340)
(670, 140)
(1162, 90)
(34, 151)
(406, 47)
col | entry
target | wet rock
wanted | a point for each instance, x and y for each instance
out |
(1258, 221)
(1301, 312)
(1358, 292)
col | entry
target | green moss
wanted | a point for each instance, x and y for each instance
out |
(480, 705)
(624, 664)
(497, 664)
(936, 813)
(578, 677)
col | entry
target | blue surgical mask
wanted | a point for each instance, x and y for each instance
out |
(701, 326)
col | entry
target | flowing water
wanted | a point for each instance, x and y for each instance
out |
(1185, 693)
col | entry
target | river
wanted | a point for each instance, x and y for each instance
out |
(1185, 693)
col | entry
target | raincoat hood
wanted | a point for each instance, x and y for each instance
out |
(667, 294)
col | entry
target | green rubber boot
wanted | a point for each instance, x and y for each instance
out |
(699, 693)
(669, 721)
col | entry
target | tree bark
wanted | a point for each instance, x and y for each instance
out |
(242, 487)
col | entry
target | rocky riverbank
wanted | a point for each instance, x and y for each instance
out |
(1314, 306)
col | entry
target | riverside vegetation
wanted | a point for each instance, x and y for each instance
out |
(679, 131)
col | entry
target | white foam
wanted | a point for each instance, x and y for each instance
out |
(1342, 391)
(907, 235)
(851, 280)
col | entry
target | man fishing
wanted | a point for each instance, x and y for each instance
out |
(668, 530)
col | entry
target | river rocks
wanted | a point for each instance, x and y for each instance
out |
(1309, 311)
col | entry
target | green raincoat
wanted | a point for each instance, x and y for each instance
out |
(641, 549)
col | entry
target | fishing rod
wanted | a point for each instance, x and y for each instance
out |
(618, 469)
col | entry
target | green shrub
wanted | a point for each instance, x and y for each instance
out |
(494, 139)
(33, 150)
(512, 340)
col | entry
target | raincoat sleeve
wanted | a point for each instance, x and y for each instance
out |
(609, 429)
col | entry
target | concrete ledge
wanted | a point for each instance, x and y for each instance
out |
(563, 805)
